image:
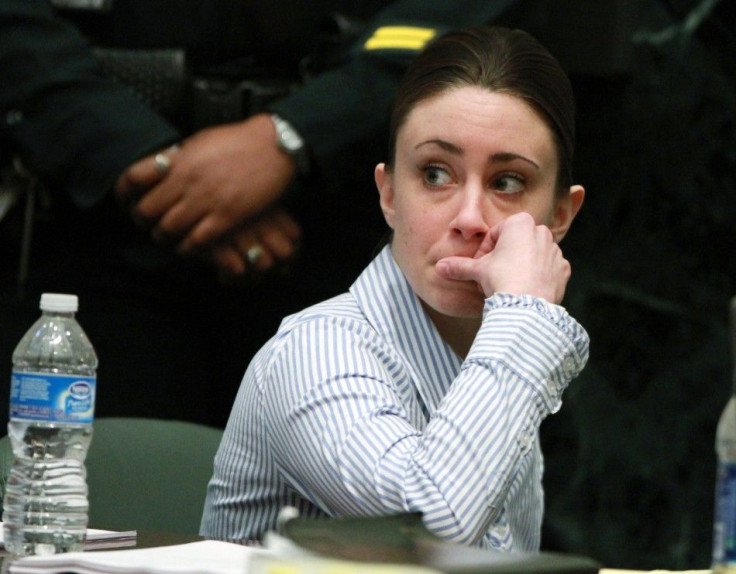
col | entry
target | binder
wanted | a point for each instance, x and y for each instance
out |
(403, 539)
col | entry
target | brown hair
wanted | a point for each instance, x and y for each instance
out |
(501, 60)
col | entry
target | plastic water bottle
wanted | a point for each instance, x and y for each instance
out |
(52, 399)
(724, 524)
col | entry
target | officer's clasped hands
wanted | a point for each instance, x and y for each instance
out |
(215, 196)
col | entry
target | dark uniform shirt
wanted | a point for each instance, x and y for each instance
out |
(51, 84)
(172, 342)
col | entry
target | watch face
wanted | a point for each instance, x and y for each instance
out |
(288, 139)
(291, 141)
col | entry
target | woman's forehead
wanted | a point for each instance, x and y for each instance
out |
(476, 116)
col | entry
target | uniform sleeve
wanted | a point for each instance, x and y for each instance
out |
(72, 124)
(345, 438)
(352, 102)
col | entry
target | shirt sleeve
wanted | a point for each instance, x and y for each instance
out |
(71, 124)
(352, 102)
(345, 435)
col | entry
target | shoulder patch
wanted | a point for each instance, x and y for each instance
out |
(399, 38)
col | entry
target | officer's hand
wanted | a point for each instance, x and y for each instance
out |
(256, 247)
(517, 256)
(139, 178)
(216, 180)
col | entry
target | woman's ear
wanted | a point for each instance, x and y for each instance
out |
(566, 208)
(384, 183)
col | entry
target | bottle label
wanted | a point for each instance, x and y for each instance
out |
(52, 398)
(724, 525)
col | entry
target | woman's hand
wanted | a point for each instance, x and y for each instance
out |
(517, 256)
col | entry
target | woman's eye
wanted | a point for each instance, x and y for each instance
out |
(436, 176)
(509, 184)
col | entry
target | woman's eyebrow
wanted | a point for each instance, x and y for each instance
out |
(496, 157)
(445, 145)
(508, 156)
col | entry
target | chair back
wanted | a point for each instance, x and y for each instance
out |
(144, 474)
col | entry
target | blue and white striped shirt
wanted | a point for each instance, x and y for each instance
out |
(357, 407)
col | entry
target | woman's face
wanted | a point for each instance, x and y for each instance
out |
(465, 160)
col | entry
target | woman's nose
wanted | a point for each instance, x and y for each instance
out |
(470, 221)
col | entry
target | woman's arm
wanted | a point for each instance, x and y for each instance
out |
(347, 431)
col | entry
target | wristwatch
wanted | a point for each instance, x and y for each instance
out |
(289, 140)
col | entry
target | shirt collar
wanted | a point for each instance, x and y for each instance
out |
(390, 305)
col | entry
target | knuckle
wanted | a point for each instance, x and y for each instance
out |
(284, 249)
(206, 232)
(143, 211)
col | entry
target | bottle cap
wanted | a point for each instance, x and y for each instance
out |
(59, 302)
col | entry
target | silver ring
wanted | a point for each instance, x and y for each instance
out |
(162, 163)
(254, 253)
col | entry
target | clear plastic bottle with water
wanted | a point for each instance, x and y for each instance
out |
(52, 397)
(724, 523)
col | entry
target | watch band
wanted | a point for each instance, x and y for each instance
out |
(289, 140)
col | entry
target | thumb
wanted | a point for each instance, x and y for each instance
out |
(488, 243)
(459, 268)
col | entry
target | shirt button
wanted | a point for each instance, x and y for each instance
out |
(525, 441)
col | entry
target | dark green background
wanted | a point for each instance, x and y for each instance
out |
(630, 457)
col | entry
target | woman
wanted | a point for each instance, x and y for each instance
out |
(423, 388)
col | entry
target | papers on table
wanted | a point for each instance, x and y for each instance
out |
(213, 557)
(98, 539)
(205, 557)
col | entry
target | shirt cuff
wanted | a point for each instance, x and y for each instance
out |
(538, 340)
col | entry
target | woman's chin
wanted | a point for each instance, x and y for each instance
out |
(461, 306)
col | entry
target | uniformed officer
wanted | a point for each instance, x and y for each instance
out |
(245, 194)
